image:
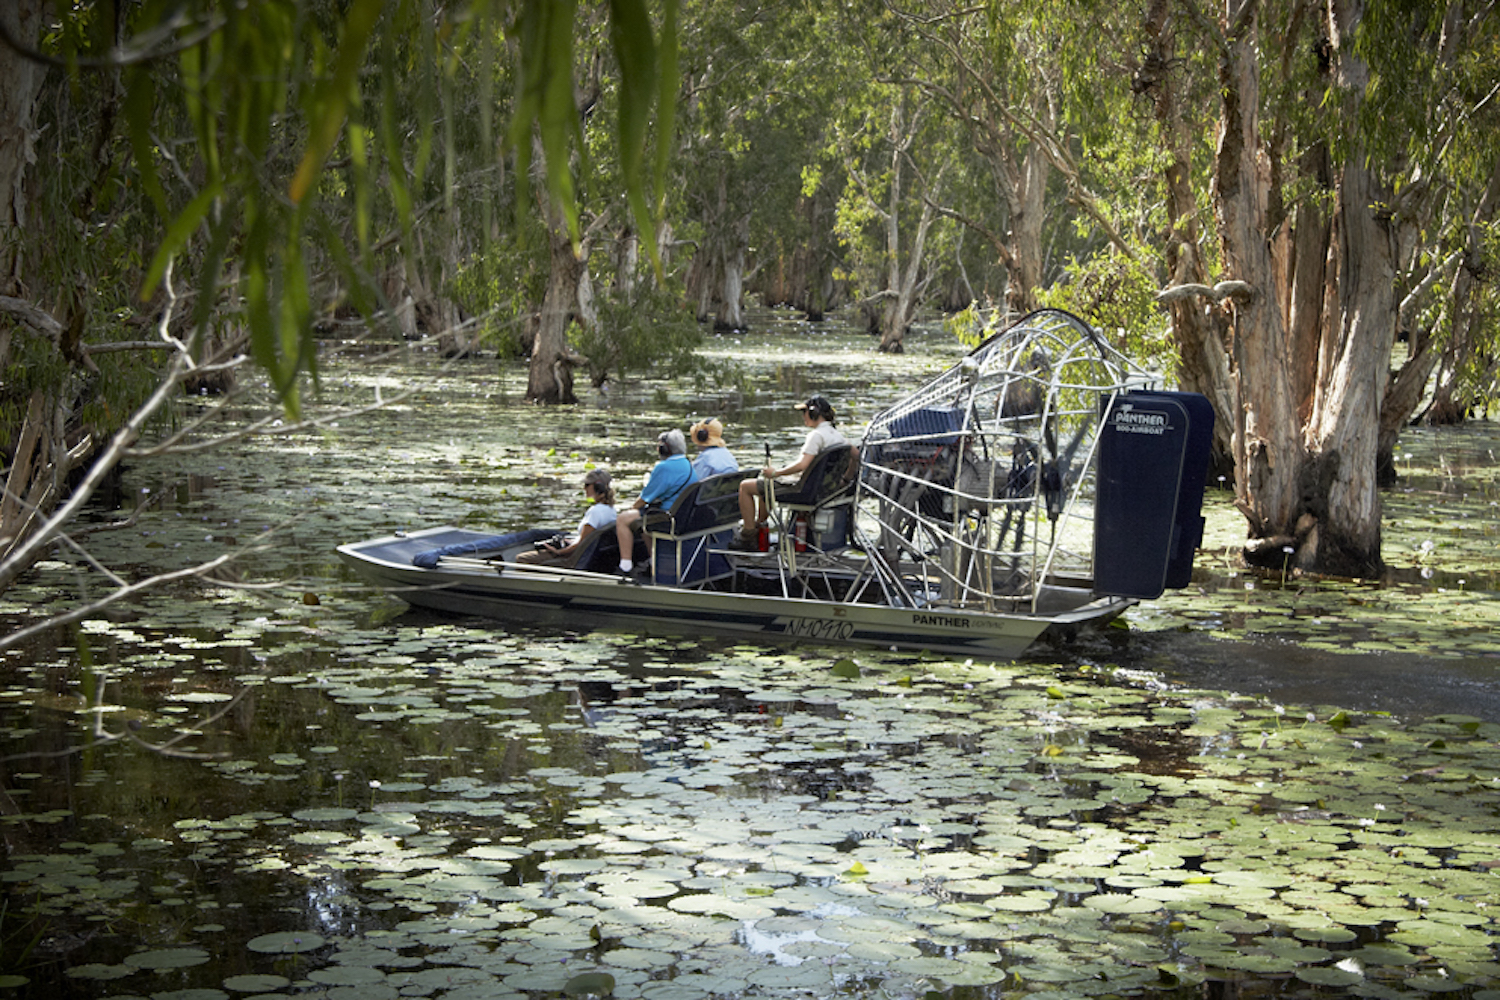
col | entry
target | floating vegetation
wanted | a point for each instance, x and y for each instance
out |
(353, 800)
(705, 821)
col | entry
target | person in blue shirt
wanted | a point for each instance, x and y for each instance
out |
(668, 478)
(713, 458)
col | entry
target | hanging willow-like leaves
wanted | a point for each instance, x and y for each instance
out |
(237, 71)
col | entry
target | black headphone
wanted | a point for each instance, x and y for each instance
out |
(702, 435)
(662, 450)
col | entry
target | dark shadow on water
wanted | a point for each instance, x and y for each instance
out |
(1408, 685)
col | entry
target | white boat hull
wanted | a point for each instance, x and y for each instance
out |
(503, 590)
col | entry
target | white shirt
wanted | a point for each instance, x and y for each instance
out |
(821, 438)
(599, 517)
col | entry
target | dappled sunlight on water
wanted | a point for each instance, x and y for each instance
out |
(1264, 787)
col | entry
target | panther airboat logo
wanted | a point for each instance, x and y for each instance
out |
(1126, 419)
(941, 621)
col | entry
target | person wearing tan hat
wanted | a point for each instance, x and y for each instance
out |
(600, 515)
(713, 458)
(822, 433)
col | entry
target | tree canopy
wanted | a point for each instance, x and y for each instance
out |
(1269, 195)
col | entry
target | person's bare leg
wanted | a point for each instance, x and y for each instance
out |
(624, 525)
(749, 499)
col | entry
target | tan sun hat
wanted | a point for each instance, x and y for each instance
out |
(708, 433)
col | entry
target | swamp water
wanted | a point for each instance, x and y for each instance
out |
(1263, 788)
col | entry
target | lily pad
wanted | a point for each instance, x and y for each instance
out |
(286, 943)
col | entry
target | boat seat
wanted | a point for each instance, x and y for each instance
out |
(828, 480)
(821, 502)
(703, 506)
(688, 539)
(600, 552)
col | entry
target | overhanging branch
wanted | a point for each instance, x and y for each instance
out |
(1237, 291)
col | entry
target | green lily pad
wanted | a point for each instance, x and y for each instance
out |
(167, 958)
(286, 943)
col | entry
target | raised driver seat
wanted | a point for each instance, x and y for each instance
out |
(814, 515)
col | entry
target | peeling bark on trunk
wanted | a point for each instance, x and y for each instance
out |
(1266, 442)
(1346, 413)
(1199, 330)
(550, 378)
(1344, 431)
(1309, 276)
(20, 83)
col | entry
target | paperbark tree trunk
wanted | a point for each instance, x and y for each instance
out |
(20, 83)
(1311, 331)
(1267, 444)
(1446, 406)
(1343, 434)
(903, 267)
(732, 263)
(1199, 329)
(902, 306)
(33, 441)
(550, 377)
(716, 276)
(1345, 429)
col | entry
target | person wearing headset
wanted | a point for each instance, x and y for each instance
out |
(822, 433)
(713, 458)
(669, 476)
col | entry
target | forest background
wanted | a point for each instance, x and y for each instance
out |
(1265, 197)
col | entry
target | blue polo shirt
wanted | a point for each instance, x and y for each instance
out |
(667, 479)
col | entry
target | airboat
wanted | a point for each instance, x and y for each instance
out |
(1039, 487)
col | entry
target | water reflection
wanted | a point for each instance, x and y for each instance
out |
(452, 804)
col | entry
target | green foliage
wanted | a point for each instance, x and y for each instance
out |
(973, 326)
(275, 92)
(502, 283)
(545, 101)
(1116, 295)
(652, 330)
